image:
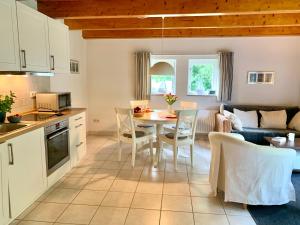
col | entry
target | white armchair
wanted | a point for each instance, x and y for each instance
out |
(249, 173)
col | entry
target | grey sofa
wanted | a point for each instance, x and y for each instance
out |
(256, 135)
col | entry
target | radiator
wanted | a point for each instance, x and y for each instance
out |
(206, 121)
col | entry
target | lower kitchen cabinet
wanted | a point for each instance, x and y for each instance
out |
(24, 162)
(77, 125)
(3, 189)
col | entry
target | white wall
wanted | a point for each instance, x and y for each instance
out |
(110, 68)
(74, 83)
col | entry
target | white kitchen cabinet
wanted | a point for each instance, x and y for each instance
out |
(26, 170)
(59, 46)
(77, 138)
(4, 217)
(9, 44)
(33, 39)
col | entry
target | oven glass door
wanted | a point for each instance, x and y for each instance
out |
(57, 149)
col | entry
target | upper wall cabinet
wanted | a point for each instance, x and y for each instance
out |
(9, 44)
(33, 39)
(59, 47)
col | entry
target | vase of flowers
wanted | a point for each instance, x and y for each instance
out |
(6, 103)
(170, 100)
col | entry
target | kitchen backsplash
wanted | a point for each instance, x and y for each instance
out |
(22, 86)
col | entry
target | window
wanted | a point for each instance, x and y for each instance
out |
(203, 76)
(163, 84)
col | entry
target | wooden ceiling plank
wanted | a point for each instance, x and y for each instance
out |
(128, 8)
(264, 20)
(189, 33)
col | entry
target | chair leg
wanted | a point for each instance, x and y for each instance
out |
(133, 154)
(192, 154)
(151, 149)
(120, 150)
(175, 151)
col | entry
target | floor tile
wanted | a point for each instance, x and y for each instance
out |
(146, 201)
(201, 190)
(89, 197)
(112, 165)
(241, 220)
(33, 223)
(98, 184)
(62, 195)
(118, 199)
(110, 216)
(47, 212)
(124, 186)
(235, 209)
(77, 214)
(210, 219)
(198, 178)
(106, 174)
(150, 187)
(176, 218)
(27, 210)
(151, 176)
(142, 217)
(177, 189)
(177, 203)
(176, 178)
(207, 205)
(129, 175)
(74, 183)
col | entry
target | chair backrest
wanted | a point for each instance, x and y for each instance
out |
(186, 123)
(139, 103)
(188, 105)
(125, 122)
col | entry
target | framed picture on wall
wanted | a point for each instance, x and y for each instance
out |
(260, 77)
(74, 66)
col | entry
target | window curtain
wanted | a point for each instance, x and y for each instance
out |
(226, 76)
(142, 79)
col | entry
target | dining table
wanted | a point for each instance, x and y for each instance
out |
(158, 118)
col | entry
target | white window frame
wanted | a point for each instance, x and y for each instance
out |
(203, 59)
(163, 58)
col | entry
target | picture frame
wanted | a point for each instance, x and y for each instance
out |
(74, 66)
(261, 77)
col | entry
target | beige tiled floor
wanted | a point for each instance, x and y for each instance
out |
(103, 191)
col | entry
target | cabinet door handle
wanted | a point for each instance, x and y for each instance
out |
(10, 154)
(23, 57)
(78, 125)
(79, 118)
(52, 62)
(79, 144)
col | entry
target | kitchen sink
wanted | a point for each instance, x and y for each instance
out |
(9, 127)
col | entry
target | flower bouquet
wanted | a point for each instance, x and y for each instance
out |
(170, 100)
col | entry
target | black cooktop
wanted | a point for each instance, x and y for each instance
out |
(39, 116)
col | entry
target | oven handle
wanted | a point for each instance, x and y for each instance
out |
(55, 135)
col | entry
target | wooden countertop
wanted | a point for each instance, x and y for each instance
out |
(33, 125)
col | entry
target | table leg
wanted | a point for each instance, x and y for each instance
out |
(158, 132)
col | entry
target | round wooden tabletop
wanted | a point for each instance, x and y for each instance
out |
(157, 117)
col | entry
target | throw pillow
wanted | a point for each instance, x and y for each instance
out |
(248, 118)
(222, 109)
(295, 122)
(273, 119)
(235, 121)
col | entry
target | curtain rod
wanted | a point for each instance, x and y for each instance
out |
(181, 54)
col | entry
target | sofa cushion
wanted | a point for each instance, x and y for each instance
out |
(235, 121)
(295, 122)
(256, 135)
(273, 119)
(248, 118)
(291, 111)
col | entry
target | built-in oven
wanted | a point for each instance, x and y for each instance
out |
(57, 145)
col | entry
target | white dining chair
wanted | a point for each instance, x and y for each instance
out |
(183, 134)
(143, 104)
(183, 106)
(128, 134)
